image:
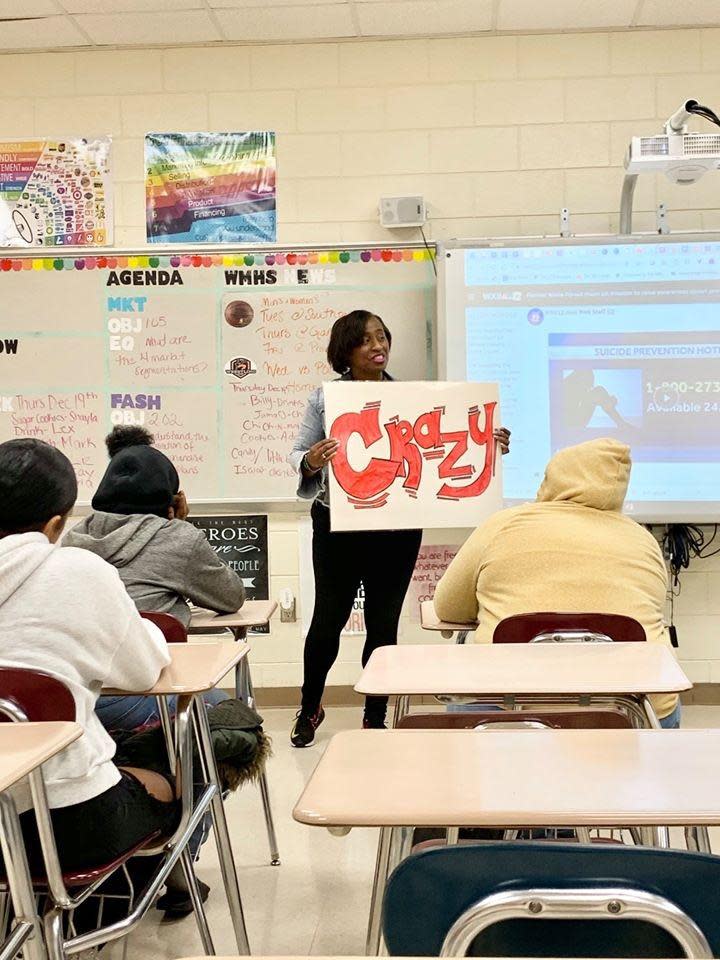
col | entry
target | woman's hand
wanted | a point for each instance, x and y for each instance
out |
(502, 436)
(320, 454)
(179, 509)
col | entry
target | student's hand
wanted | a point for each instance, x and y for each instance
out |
(180, 507)
(321, 453)
(502, 436)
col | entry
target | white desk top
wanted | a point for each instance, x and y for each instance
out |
(429, 620)
(24, 746)
(194, 668)
(473, 778)
(253, 613)
(539, 668)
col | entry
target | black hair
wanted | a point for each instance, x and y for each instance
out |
(127, 436)
(37, 483)
(347, 333)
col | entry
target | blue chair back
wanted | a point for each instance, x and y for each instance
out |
(429, 891)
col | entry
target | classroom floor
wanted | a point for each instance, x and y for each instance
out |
(317, 901)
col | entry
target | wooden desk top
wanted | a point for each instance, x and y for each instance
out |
(24, 746)
(253, 613)
(195, 668)
(522, 668)
(478, 778)
(429, 620)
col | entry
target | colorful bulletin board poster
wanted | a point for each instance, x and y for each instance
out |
(55, 193)
(210, 187)
(215, 354)
(412, 455)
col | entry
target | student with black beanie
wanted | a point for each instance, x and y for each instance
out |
(137, 526)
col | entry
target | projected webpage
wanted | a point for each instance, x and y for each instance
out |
(619, 340)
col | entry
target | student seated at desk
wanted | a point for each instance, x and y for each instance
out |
(138, 527)
(572, 550)
(66, 613)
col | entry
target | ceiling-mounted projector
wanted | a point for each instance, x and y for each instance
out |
(683, 157)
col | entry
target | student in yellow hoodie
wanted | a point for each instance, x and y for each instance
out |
(572, 550)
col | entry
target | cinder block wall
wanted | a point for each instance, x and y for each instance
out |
(497, 133)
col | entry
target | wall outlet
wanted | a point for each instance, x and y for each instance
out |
(287, 606)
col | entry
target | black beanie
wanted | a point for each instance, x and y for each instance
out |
(138, 479)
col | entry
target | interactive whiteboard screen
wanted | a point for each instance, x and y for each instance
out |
(612, 337)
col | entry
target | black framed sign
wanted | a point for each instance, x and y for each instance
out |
(242, 543)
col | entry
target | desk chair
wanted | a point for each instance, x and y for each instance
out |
(175, 632)
(28, 695)
(568, 628)
(506, 899)
(547, 627)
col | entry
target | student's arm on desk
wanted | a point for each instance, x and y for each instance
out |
(209, 582)
(455, 597)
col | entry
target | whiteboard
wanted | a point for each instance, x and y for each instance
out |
(215, 353)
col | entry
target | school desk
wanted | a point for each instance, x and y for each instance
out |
(253, 613)
(429, 620)
(613, 674)
(194, 669)
(23, 748)
(401, 779)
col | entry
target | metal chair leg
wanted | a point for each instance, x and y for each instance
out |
(269, 823)
(222, 835)
(18, 879)
(698, 839)
(54, 934)
(244, 684)
(655, 837)
(198, 907)
(374, 933)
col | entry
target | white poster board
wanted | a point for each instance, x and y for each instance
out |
(412, 455)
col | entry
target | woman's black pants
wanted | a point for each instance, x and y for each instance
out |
(383, 561)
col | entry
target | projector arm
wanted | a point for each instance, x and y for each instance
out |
(626, 203)
(678, 121)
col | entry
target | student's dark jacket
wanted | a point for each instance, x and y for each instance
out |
(162, 563)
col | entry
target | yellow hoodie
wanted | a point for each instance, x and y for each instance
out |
(570, 551)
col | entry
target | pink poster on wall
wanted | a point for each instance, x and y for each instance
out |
(432, 562)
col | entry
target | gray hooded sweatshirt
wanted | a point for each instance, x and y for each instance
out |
(162, 563)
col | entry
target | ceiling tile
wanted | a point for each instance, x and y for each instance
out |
(411, 17)
(189, 26)
(128, 6)
(670, 13)
(20, 9)
(564, 14)
(289, 23)
(44, 34)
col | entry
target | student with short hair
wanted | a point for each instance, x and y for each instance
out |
(66, 613)
(137, 525)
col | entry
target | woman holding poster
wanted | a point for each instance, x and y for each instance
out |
(383, 561)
